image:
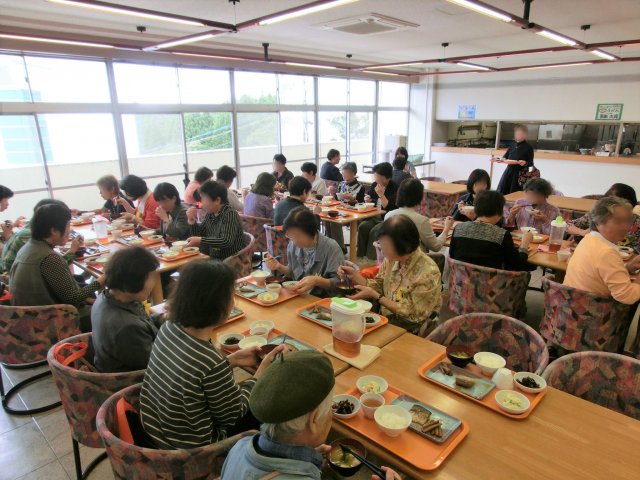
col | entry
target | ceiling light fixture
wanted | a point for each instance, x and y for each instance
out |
(555, 65)
(134, 12)
(484, 9)
(394, 65)
(556, 37)
(56, 40)
(301, 11)
(603, 54)
(221, 57)
(183, 41)
(473, 65)
(309, 65)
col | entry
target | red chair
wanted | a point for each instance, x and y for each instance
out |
(255, 226)
(241, 262)
(277, 243)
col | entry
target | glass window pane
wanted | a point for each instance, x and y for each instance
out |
(362, 92)
(13, 79)
(154, 143)
(82, 198)
(257, 138)
(21, 165)
(64, 80)
(298, 135)
(390, 123)
(332, 91)
(204, 86)
(21, 204)
(394, 94)
(360, 132)
(146, 84)
(333, 132)
(79, 148)
(208, 139)
(255, 88)
(295, 90)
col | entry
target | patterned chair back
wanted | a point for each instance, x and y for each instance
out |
(130, 461)
(277, 242)
(522, 347)
(27, 333)
(607, 379)
(473, 288)
(83, 392)
(241, 262)
(255, 226)
(577, 320)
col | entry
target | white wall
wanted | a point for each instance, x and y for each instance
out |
(557, 94)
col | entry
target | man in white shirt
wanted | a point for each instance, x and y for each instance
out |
(309, 171)
(225, 175)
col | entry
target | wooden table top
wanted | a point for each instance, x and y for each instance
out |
(548, 260)
(564, 438)
(564, 203)
(444, 188)
(353, 216)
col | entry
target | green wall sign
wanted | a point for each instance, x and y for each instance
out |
(609, 111)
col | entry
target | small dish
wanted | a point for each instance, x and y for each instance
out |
(346, 464)
(349, 398)
(512, 402)
(178, 246)
(460, 355)
(371, 319)
(327, 199)
(170, 255)
(372, 384)
(268, 324)
(520, 376)
(136, 241)
(563, 255)
(366, 305)
(116, 233)
(118, 222)
(249, 342)
(128, 226)
(489, 362)
(190, 249)
(528, 229)
(333, 213)
(290, 285)
(147, 233)
(260, 277)
(101, 260)
(370, 403)
(392, 420)
(155, 238)
(274, 287)
(234, 340)
(259, 332)
(268, 297)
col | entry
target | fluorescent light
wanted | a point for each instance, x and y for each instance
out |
(556, 65)
(393, 65)
(603, 54)
(556, 37)
(295, 64)
(204, 55)
(56, 40)
(126, 11)
(304, 11)
(472, 65)
(485, 10)
(181, 41)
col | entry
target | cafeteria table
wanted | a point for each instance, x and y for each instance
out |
(570, 207)
(352, 220)
(439, 198)
(565, 437)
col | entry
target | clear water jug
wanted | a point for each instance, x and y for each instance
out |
(348, 325)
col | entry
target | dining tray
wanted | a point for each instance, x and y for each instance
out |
(517, 237)
(285, 293)
(181, 256)
(487, 401)
(351, 209)
(276, 336)
(126, 239)
(412, 447)
(326, 216)
(326, 302)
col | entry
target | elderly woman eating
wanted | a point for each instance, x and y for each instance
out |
(407, 286)
(596, 265)
(534, 210)
(313, 259)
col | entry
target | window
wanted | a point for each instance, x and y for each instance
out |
(390, 123)
(257, 139)
(255, 88)
(208, 140)
(361, 138)
(204, 86)
(154, 143)
(134, 86)
(362, 92)
(295, 90)
(394, 95)
(13, 79)
(79, 148)
(332, 91)
(333, 132)
(21, 164)
(298, 135)
(67, 81)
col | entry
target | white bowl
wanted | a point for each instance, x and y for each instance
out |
(539, 380)
(136, 241)
(290, 285)
(327, 199)
(402, 416)
(147, 233)
(361, 383)
(563, 255)
(170, 255)
(489, 362)
(190, 249)
(259, 276)
(528, 229)
(235, 346)
(128, 226)
(366, 305)
(370, 411)
(467, 208)
(274, 287)
(116, 233)
(252, 341)
(268, 297)
(352, 399)
(155, 238)
(118, 222)
(259, 332)
(502, 395)
(178, 246)
(268, 324)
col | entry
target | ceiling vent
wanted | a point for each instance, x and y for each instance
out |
(368, 24)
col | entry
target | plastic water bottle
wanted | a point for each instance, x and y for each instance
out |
(556, 235)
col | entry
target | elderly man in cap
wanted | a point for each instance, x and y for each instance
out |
(293, 401)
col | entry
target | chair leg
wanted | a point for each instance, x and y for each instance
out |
(83, 474)
(6, 396)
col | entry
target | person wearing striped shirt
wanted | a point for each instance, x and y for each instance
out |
(220, 234)
(189, 397)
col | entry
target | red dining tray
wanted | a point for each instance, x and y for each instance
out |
(517, 240)
(488, 401)
(329, 217)
(409, 446)
(319, 202)
(145, 242)
(285, 294)
(182, 255)
(326, 302)
(355, 210)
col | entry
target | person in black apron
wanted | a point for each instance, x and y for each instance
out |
(519, 158)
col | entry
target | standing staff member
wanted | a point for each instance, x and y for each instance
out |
(519, 158)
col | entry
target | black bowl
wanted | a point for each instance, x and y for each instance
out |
(354, 445)
(458, 361)
(344, 290)
(275, 279)
(319, 197)
(333, 213)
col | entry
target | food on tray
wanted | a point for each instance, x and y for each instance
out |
(371, 387)
(268, 297)
(512, 401)
(343, 407)
(528, 382)
(460, 354)
(434, 427)
(231, 341)
(321, 313)
(341, 459)
(245, 287)
(446, 369)
(369, 319)
(465, 382)
(420, 415)
(391, 419)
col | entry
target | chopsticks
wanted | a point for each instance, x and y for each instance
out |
(370, 465)
(281, 355)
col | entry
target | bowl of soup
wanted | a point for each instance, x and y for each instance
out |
(344, 463)
(460, 355)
